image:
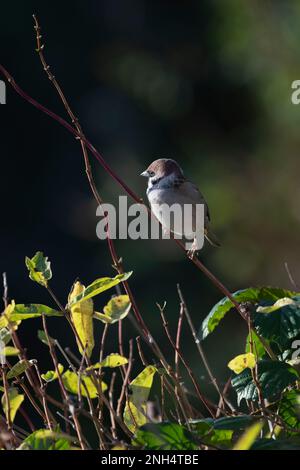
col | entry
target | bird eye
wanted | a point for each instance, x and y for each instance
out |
(151, 173)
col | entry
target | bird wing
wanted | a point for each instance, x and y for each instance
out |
(191, 192)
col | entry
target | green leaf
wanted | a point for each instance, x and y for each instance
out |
(209, 435)
(71, 382)
(135, 409)
(273, 376)
(281, 323)
(26, 311)
(116, 309)
(15, 401)
(258, 348)
(252, 294)
(43, 337)
(164, 436)
(39, 269)
(5, 336)
(289, 410)
(19, 368)
(113, 360)
(44, 439)
(52, 374)
(278, 444)
(233, 423)
(98, 286)
(9, 351)
(247, 439)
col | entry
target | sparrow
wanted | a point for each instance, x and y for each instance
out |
(168, 185)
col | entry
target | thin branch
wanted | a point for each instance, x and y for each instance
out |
(200, 349)
(189, 370)
(218, 284)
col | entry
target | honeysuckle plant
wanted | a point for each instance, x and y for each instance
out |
(262, 411)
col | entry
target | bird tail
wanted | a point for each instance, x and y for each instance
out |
(211, 238)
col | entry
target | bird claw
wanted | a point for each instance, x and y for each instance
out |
(192, 253)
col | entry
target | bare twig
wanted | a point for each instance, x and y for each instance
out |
(200, 350)
(125, 380)
(292, 280)
(63, 390)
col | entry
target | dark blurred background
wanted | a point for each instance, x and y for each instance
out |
(207, 83)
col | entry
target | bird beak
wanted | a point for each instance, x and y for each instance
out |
(145, 174)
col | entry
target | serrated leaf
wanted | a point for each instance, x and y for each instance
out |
(209, 435)
(71, 381)
(99, 286)
(82, 318)
(51, 375)
(247, 439)
(15, 401)
(19, 368)
(233, 423)
(135, 409)
(242, 362)
(273, 377)
(39, 268)
(113, 360)
(44, 439)
(289, 410)
(281, 323)
(164, 436)
(116, 309)
(251, 294)
(278, 444)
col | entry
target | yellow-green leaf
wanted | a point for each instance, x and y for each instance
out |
(276, 306)
(5, 319)
(116, 309)
(52, 374)
(9, 351)
(15, 401)
(39, 268)
(43, 337)
(82, 318)
(113, 360)
(249, 436)
(44, 439)
(19, 368)
(241, 362)
(135, 408)
(26, 311)
(98, 286)
(71, 382)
